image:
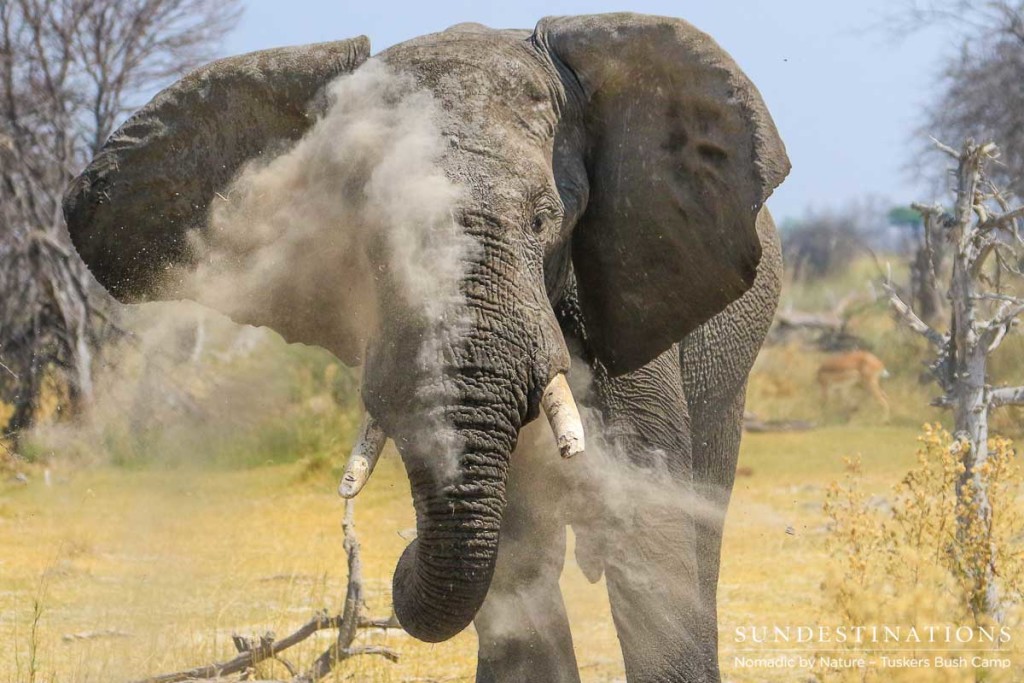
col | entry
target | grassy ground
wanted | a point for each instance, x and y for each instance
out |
(173, 562)
(183, 517)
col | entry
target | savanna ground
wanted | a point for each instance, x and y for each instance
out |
(122, 564)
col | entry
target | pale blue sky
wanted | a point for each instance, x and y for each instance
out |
(845, 97)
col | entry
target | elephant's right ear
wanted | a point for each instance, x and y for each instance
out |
(681, 154)
(130, 211)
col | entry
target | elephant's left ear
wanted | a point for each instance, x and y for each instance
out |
(681, 154)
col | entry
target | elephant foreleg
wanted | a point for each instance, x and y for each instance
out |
(648, 532)
(717, 428)
(716, 360)
(652, 586)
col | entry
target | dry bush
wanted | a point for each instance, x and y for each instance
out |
(901, 560)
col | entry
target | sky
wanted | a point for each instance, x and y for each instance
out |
(845, 94)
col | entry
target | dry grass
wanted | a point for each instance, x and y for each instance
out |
(162, 561)
(180, 559)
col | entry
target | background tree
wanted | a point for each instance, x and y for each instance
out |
(980, 92)
(926, 257)
(986, 241)
(825, 240)
(70, 70)
(819, 244)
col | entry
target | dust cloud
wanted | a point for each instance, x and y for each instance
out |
(636, 522)
(633, 525)
(354, 223)
(302, 242)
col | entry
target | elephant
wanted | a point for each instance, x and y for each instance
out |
(612, 173)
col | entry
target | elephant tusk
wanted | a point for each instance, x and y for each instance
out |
(564, 416)
(364, 458)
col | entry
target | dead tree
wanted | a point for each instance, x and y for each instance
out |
(978, 92)
(68, 72)
(925, 265)
(984, 238)
(262, 648)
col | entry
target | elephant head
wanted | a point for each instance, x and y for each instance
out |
(620, 156)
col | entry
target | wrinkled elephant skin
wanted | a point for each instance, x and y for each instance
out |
(605, 178)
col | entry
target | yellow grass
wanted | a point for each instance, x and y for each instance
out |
(178, 560)
(163, 565)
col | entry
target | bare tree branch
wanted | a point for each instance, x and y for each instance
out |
(1003, 219)
(911, 319)
(1007, 313)
(945, 149)
(1007, 396)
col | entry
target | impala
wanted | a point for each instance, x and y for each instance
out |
(842, 371)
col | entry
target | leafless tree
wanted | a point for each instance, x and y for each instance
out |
(980, 92)
(986, 244)
(925, 264)
(69, 72)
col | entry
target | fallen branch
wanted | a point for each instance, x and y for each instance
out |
(832, 327)
(253, 651)
(250, 657)
(817, 321)
(94, 635)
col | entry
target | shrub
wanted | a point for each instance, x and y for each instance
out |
(905, 559)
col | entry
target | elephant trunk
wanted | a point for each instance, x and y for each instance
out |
(443, 576)
(479, 372)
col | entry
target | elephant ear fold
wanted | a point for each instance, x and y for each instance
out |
(681, 154)
(130, 210)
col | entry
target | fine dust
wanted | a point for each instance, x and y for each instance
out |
(302, 242)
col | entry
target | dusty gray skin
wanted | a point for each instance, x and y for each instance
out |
(616, 168)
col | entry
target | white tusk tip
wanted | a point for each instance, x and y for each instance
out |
(364, 458)
(564, 417)
(570, 446)
(355, 477)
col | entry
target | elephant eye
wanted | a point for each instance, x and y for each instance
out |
(547, 211)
